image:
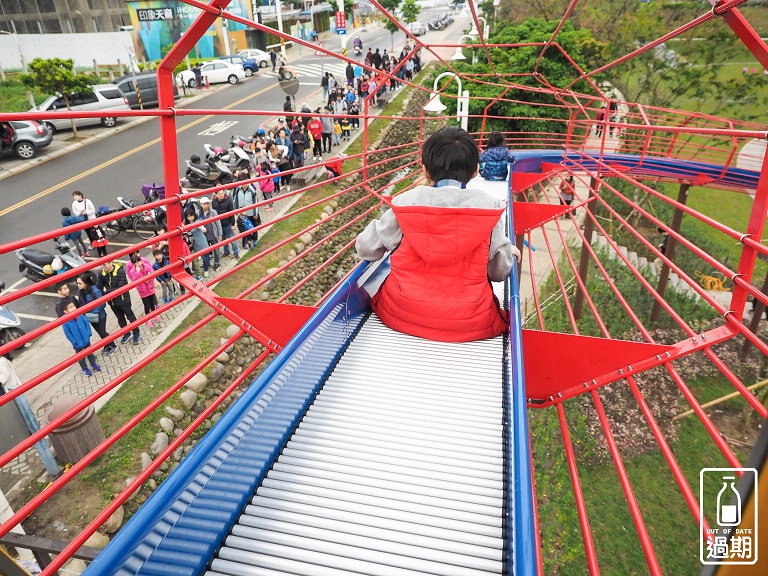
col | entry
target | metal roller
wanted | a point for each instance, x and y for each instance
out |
(396, 469)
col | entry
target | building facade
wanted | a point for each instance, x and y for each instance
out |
(62, 16)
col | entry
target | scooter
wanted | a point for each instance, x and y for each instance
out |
(9, 323)
(38, 265)
(144, 224)
(235, 158)
(212, 173)
(435, 24)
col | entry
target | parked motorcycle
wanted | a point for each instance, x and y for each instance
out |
(38, 265)
(208, 174)
(435, 24)
(144, 224)
(9, 323)
(235, 158)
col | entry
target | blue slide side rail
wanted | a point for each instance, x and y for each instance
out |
(521, 531)
(177, 531)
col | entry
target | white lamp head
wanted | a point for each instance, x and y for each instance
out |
(434, 104)
(459, 55)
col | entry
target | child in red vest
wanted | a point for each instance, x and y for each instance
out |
(450, 244)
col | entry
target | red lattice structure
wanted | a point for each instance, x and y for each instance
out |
(623, 166)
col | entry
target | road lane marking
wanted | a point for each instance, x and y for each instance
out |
(122, 156)
(218, 128)
(35, 317)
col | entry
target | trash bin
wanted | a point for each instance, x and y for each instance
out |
(78, 435)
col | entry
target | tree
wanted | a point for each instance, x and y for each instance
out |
(686, 72)
(410, 10)
(390, 6)
(526, 111)
(57, 76)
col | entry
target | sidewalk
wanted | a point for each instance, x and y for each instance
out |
(53, 348)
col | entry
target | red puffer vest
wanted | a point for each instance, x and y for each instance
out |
(438, 287)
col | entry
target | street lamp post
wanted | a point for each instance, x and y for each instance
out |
(18, 47)
(486, 28)
(459, 55)
(462, 103)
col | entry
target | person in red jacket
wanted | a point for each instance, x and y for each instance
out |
(315, 128)
(447, 243)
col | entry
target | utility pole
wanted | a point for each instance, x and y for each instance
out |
(343, 36)
(280, 29)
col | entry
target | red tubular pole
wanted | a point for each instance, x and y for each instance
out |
(634, 509)
(98, 450)
(144, 475)
(674, 467)
(755, 229)
(578, 494)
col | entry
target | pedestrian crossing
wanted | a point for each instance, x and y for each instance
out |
(312, 71)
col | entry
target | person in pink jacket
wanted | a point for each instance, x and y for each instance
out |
(139, 267)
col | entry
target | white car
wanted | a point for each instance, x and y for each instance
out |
(416, 28)
(217, 72)
(100, 97)
(259, 55)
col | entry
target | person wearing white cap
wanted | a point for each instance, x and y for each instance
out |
(212, 232)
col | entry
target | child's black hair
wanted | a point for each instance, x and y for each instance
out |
(66, 212)
(496, 139)
(450, 153)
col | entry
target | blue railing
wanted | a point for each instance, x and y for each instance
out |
(521, 529)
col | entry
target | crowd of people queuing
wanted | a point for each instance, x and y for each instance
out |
(142, 268)
(294, 141)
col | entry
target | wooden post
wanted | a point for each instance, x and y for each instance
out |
(589, 226)
(120, 67)
(756, 316)
(677, 219)
(2, 72)
(96, 68)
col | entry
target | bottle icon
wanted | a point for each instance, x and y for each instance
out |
(728, 503)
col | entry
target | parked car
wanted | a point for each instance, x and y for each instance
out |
(416, 28)
(217, 72)
(259, 55)
(101, 97)
(249, 64)
(147, 82)
(29, 137)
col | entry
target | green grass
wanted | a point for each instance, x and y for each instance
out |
(731, 209)
(671, 526)
(13, 95)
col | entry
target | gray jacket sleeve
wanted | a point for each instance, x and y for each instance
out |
(379, 237)
(500, 254)
(216, 225)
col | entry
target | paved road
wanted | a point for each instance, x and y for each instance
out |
(119, 164)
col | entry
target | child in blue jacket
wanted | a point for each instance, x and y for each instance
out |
(165, 279)
(78, 332)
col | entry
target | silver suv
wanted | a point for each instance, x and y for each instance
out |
(101, 97)
(29, 137)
